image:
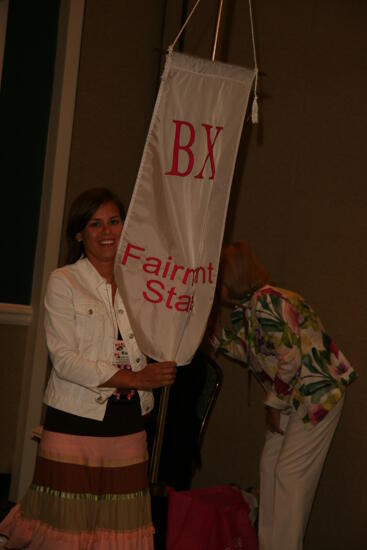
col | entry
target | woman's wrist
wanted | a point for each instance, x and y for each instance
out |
(122, 380)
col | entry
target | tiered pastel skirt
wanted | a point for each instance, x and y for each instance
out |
(88, 493)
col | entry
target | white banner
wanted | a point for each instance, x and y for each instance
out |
(167, 261)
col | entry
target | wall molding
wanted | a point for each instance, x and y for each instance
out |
(15, 314)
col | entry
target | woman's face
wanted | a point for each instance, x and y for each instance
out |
(102, 234)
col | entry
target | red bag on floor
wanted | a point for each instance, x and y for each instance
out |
(214, 518)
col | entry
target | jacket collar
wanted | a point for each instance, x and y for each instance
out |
(88, 268)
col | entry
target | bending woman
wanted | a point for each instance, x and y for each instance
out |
(90, 487)
(304, 374)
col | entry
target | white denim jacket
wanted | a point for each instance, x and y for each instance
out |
(81, 325)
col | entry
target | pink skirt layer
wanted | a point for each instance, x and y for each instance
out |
(33, 535)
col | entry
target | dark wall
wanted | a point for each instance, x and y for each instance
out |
(25, 98)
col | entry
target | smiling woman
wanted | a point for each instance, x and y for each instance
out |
(90, 486)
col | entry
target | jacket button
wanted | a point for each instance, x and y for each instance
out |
(121, 311)
(90, 311)
(138, 360)
(131, 336)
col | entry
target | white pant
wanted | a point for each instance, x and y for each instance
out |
(290, 469)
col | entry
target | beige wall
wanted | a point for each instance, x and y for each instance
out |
(298, 194)
(299, 197)
(118, 80)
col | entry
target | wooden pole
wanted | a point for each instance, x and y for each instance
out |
(158, 440)
(217, 26)
(163, 402)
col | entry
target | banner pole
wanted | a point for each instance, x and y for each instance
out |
(158, 440)
(217, 26)
(164, 397)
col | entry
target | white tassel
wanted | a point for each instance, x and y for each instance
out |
(255, 111)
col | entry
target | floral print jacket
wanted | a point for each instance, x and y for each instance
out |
(277, 334)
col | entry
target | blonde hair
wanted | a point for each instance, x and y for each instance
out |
(240, 270)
